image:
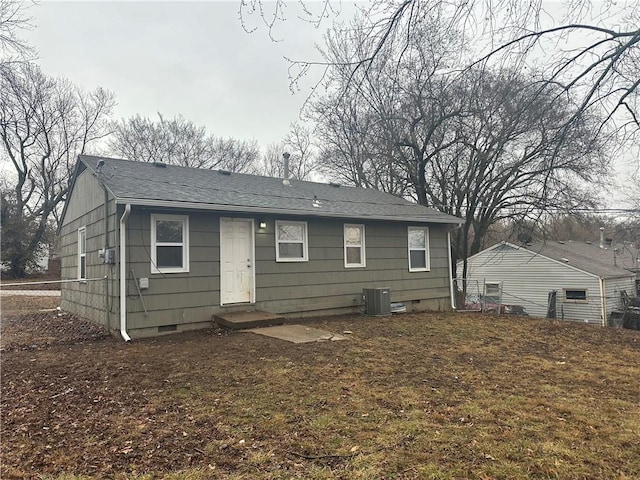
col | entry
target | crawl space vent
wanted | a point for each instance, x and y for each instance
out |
(167, 328)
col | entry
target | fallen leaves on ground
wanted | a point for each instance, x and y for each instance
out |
(433, 395)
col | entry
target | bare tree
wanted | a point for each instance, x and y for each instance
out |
(13, 19)
(302, 157)
(590, 49)
(484, 145)
(347, 155)
(270, 14)
(180, 142)
(45, 123)
(515, 160)
(577, 226)
(235, 155)
(299, 144)
(380, 126)
(371, 116)
(631, 186)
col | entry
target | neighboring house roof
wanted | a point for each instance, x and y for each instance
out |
(589, 257)
(584, 256)
(142, 183)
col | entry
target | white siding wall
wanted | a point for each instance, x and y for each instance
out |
(527, 280)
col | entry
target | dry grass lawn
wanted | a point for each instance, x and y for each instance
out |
(426, 396)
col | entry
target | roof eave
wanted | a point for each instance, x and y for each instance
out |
(277, 211)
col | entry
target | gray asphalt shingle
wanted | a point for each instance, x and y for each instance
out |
(585, 256)
(141, 182)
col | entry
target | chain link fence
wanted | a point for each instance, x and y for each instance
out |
(481, 296)
(469, 294)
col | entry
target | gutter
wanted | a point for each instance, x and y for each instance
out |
(447, 220)
(106, 219)
(123, 274)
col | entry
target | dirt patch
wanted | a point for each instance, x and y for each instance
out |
(29, 331)
(412, 396)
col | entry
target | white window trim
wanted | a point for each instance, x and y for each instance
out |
(427, 256)
(305, 242)
(81, 255)
(573, 300)
(184, 244)
(363, 258)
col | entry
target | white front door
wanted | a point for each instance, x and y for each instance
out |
(236, 261)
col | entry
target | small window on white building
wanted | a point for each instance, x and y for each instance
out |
(418, 239)
(492, 289)
(82, 253)
(291, 241)
(575, 295)
(169, 243)
(354, 250)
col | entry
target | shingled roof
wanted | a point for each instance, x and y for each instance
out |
(149, 184)
(589, 257)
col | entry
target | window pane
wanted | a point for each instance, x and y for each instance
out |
(83, 241)
(290, 250)
(83, 267)
(354, 255)
(290, 232)
(417, 239)
(576, 294)
(169, 257)
(418, 259)
(168, 231)
(353, 235)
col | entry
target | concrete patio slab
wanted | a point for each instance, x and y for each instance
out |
(297, 333)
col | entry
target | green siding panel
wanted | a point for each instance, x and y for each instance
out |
(93, 300)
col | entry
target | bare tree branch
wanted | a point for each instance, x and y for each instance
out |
(180, 142)
(45, 123)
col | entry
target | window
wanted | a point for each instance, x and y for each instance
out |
(492, 292)
(492, 289)
(354, 254)
(418, 249)
(82, 253)
(169, 243)
(291, 242)
(575, 295)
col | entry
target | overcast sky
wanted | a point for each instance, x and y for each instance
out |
(187, 58)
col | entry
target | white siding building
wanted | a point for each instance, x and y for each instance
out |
(588, 284)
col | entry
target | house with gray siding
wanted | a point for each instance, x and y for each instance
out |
(588, 280)
(159, 248)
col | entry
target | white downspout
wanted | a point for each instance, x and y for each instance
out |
(123, 274)
(603, 303)
(453, 295)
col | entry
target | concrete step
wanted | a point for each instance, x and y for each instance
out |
(248, 319)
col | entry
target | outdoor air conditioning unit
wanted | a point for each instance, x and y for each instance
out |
(377, 301)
